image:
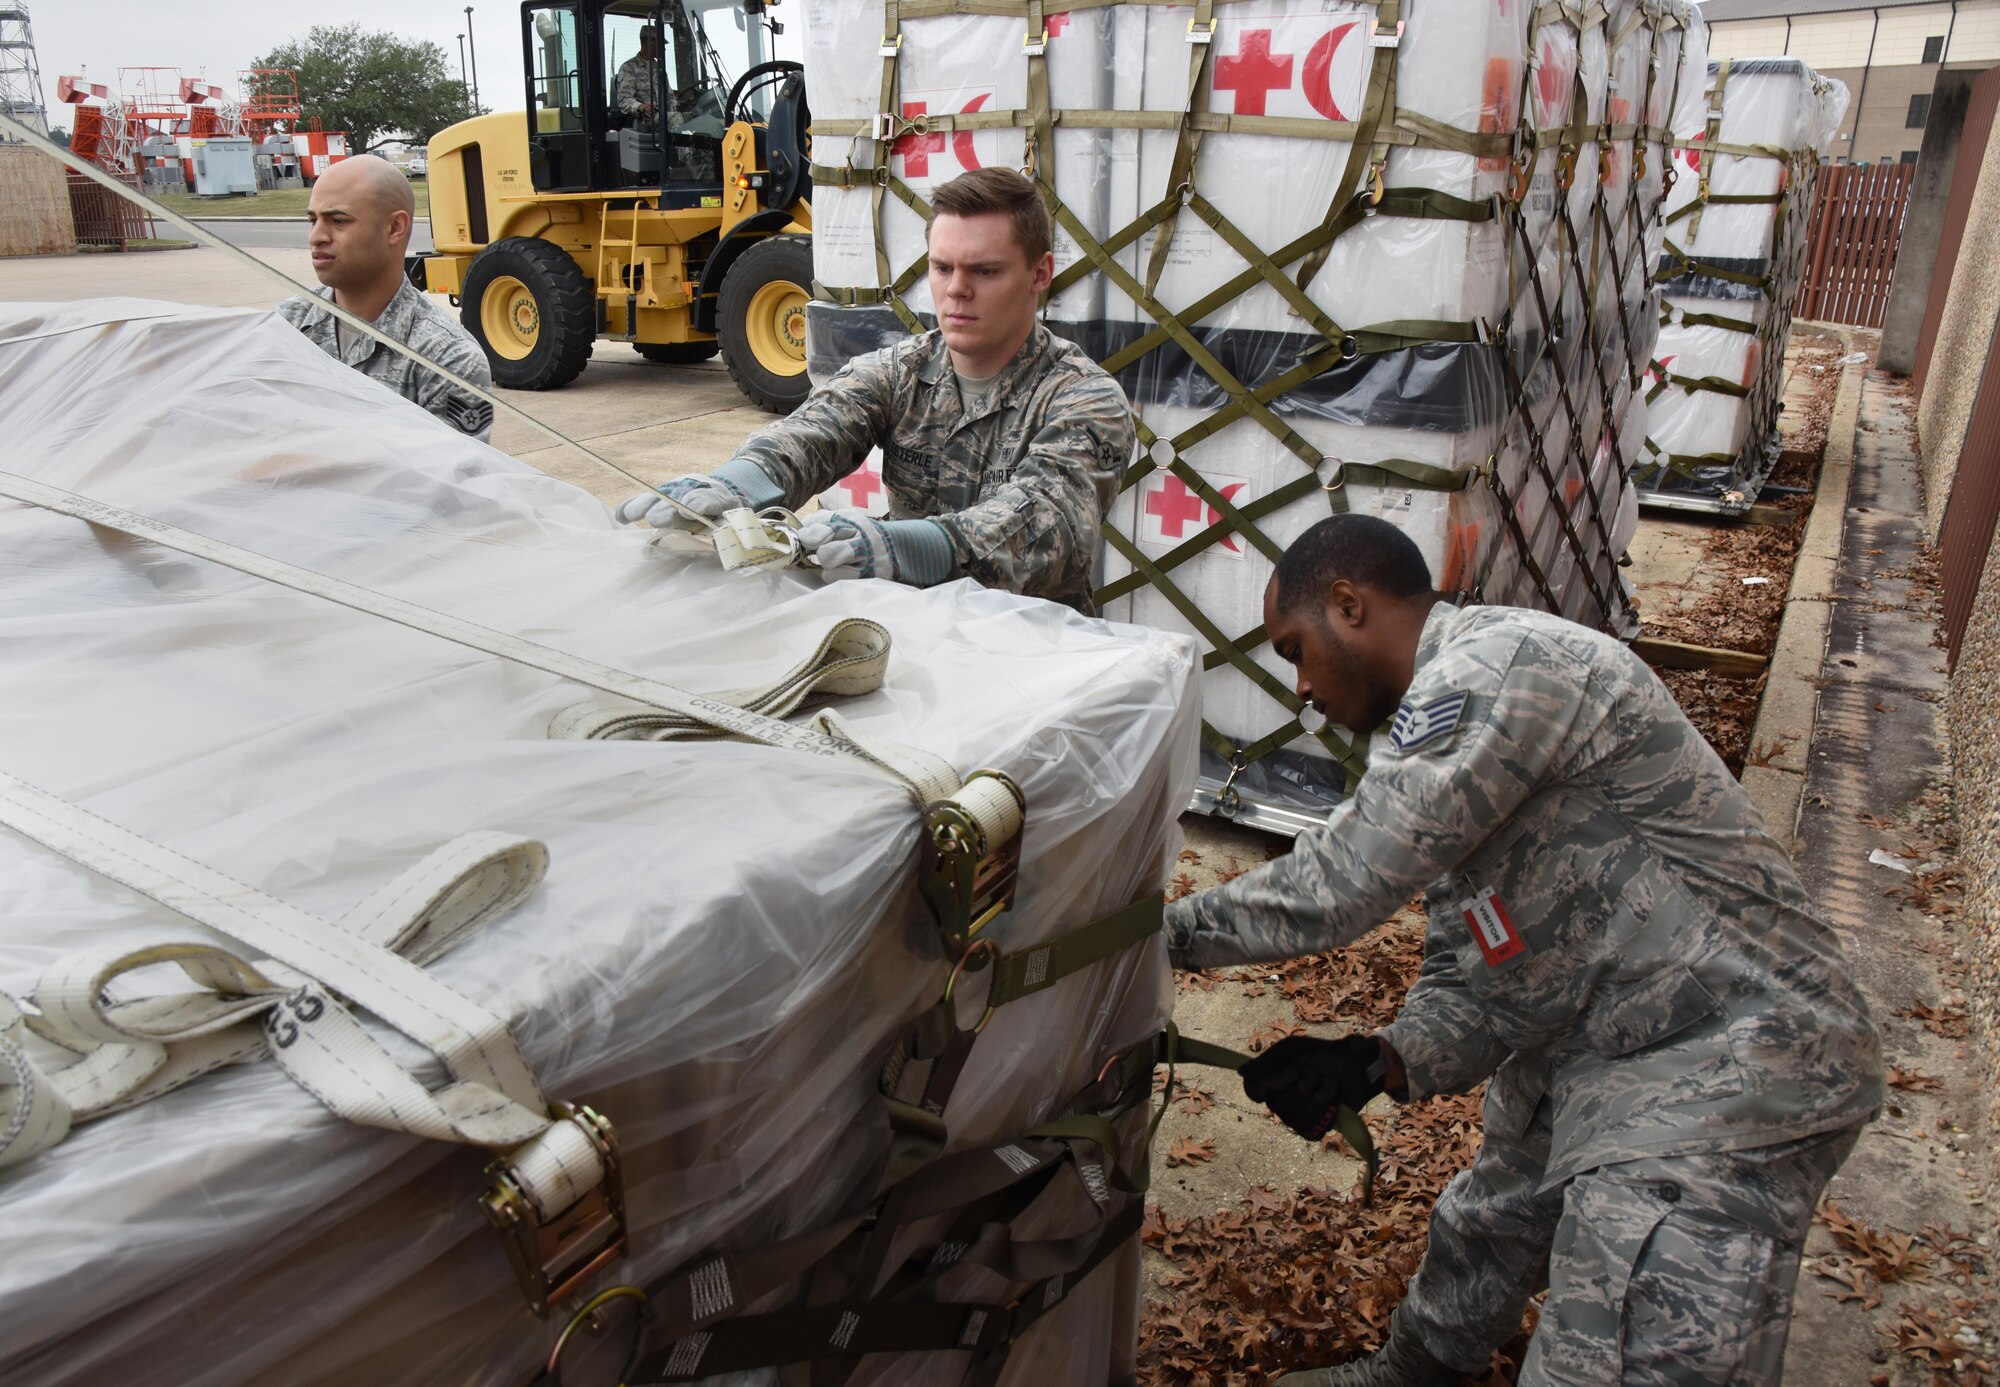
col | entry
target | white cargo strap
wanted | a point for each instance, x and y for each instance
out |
(288, 998)
(926, 777)
(745, 538)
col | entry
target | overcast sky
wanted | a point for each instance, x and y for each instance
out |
(95, 38)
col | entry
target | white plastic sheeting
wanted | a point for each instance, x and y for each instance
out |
(728, 937)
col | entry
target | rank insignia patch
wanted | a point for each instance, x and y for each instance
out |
(1419, 725)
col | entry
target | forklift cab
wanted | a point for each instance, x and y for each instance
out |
(639, 93)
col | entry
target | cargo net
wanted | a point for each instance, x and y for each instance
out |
(1383, 258)
(1728, 274)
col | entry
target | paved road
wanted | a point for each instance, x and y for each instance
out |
(289, 235)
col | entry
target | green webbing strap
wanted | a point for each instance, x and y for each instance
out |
(1023, 974)
(1733, 199)
(1711, 135)
(1427, 131)
(1362, 154)
(1041, 149)
(1678, 317)
(1181, 1050)
(1187, 143)
(1717, 384)
(890, 108)
(1391, 472)
(1740, 151)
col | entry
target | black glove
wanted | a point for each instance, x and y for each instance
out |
(1306, 1082)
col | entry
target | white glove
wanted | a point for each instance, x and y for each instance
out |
(702, 494)
(737, 484)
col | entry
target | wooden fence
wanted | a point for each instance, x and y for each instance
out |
(1857, 224)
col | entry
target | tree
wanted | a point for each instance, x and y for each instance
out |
(373, 85)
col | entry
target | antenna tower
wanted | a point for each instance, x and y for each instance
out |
(20, 73)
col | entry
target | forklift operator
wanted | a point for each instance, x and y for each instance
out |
(636, 74)
(1002, 444)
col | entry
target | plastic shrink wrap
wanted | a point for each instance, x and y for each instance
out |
(728, 940)
(1729, 268)
(1461, 357)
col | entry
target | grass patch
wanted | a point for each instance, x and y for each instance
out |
(278, 202)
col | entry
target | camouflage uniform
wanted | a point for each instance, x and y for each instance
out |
(412, 319)
(1020, 486)
(635, 83)
(1677, 1057)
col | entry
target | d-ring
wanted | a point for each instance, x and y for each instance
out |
(590, 1309)
(951, 983)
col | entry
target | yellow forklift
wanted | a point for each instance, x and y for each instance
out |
(653, 193)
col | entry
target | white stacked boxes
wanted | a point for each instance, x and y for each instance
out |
(728, 940)
(1729, 272)
(1523, 288)
(947, 65)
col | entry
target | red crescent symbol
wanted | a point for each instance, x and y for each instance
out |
(1228, 493)
(961, 140)
(1318, 77)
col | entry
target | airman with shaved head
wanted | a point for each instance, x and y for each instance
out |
(360, 213)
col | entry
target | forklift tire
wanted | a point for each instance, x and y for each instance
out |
(677, 353)
(762, 322)
(532, 311)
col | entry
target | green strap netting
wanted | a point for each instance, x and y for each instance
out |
(1588, 254)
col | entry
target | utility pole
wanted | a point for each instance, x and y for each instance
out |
(472, 47)
(461, 75)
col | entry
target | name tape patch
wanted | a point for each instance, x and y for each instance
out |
(1419, 725)
(1492, 928)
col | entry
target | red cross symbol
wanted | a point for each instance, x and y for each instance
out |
(1055, 23)
(1174, 505)
(917, 149)
(1253, 72)
(861, 484)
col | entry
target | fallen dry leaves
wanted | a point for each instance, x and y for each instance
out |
(1882, 1253)
(1190, 1151)
(1912, 1082)
(1949, 1022)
